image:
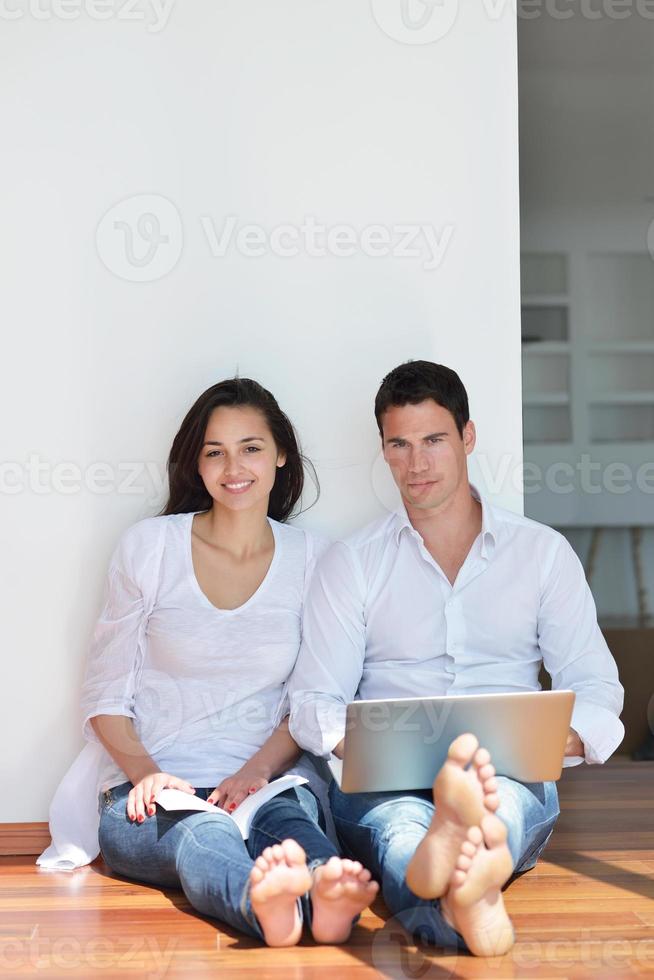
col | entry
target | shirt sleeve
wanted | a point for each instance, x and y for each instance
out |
(330, 662)
(116, 649)
(576, 655)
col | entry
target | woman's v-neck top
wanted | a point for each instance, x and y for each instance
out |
(204, 686)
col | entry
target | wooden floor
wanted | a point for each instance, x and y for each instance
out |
(586, 910)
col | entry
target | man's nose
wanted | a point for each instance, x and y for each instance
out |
(418, 461)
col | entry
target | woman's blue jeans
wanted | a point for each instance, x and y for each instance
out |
(204, 853)
(382, 830)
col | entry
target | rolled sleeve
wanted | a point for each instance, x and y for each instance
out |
(577, 657)
(115, 652)
(330, 662)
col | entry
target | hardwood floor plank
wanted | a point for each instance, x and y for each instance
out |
(586, 910)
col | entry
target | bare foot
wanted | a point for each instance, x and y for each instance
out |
(465, 790)
(279, 877)
(474, 905)
(341, 889)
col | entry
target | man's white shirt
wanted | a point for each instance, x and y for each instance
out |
(381, 620)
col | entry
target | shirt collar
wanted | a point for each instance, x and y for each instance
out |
(488, 523)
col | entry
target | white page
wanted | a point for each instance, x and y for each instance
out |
(177, 799)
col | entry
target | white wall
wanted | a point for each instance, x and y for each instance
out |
(270, 111)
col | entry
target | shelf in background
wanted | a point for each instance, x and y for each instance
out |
(623, 347)
(545, 299)
(545, 398)
(545, 347)
(622, 398)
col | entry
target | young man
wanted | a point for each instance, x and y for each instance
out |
(449, 595)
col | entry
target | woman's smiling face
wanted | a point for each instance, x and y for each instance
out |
(239, 459)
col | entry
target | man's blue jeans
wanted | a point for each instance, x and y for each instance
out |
(204, 853)
(382, 830)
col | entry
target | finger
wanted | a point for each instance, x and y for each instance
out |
(131, 811)
(214, 797)
(176, 783)
(236, 799)
(138, 803)
(218, 796)
(146, 793)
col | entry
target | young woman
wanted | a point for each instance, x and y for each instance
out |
(185, 682)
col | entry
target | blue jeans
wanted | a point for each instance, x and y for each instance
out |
(382, 830)
(204, 853)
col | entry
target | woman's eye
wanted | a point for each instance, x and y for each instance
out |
(254, 449)
(213, 452)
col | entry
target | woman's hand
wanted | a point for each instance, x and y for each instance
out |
(234, 789)
(140, 802)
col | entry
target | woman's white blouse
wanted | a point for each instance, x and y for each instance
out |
(205, 686)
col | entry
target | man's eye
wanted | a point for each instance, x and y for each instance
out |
(435, 439)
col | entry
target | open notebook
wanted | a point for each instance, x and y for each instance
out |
(176, 799)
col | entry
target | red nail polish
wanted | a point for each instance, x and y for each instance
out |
(232, 806)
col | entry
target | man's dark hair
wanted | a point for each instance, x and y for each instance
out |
(414, 382)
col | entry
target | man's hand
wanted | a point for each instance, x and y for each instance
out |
(574, 745)
(234, 789)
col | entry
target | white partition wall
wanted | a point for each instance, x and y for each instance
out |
(307, 192)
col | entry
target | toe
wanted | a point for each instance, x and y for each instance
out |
(490, 785)
(278, 854)
(261, 863)
(267, 853)
(482, 758)
(475, 836)
(494, 831)
(256, 875)
(458, 877)
(333, 869)
(463, 862)
(462, 749)
(485, 772)
(491, 802)
(468, 848)
(293, 853)
(364, 875)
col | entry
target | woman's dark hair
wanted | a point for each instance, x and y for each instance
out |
(187, 491)
(414, 382)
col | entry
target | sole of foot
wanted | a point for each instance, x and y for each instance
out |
(341, 889)
(474, 905)
(279, 877)
(465, 790)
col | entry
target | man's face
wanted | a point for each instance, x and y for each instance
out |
(426, 454)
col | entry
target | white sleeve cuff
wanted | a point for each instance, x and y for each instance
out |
(116, 707)
(317, 725)
(599, 729)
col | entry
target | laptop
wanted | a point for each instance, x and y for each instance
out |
(402, 743)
